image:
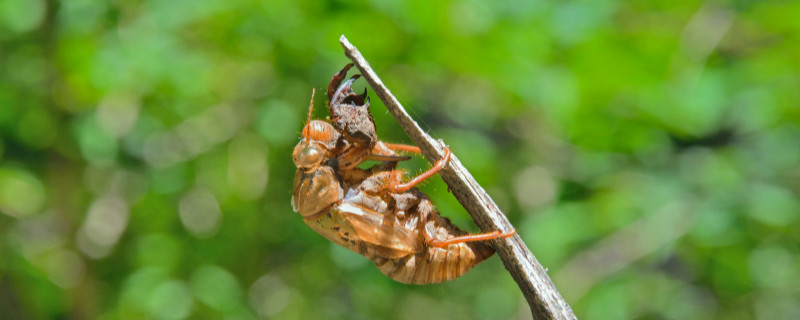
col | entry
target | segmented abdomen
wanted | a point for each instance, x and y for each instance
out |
(388, 231)
(434, 265)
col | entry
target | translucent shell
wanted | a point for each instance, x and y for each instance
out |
(321, 131)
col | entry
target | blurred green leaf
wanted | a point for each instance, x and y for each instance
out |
(22, 15)
(146, 172)
(217, 288)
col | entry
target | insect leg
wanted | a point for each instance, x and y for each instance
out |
(428, 232)
(497, 234)
(386, 152)
(439, 165)
(393, 158)
(337, 79)
(402, 147)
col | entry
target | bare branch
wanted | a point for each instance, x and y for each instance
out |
(543, 297)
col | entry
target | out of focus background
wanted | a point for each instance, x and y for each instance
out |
(647, 151)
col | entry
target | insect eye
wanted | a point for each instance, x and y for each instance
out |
(309, 156)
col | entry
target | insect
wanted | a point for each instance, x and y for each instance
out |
(371, 211)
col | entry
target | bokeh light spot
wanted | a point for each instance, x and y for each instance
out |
(96, 145)
(772, 205)
(161, 250)
(247, 166)
(21, 193)
(772, 266)
(472, 17)
(117, 113)
(269, 295)
(139, 285)
(217, 288)
(22, 15)
(535, 186)
(171, 300)
(199, 212)
(106, 221)
(65, 268)
(277, 121)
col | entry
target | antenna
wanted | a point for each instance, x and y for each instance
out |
(310, 110)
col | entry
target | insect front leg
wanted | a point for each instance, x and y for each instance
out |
(336, 80)
(351, 117)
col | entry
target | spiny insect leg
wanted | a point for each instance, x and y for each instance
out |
(394, 186)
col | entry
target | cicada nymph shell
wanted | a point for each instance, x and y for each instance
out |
(370, 211)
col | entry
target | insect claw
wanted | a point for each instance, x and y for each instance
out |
(337, 79)
(359, 99)
(346, 86)
(341, 95)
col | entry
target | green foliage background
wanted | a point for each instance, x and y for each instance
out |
(647, 152)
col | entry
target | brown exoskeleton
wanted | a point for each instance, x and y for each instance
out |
(370, 211)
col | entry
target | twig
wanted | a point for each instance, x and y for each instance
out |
(545, 301)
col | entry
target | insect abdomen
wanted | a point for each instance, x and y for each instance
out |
(435, 264)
